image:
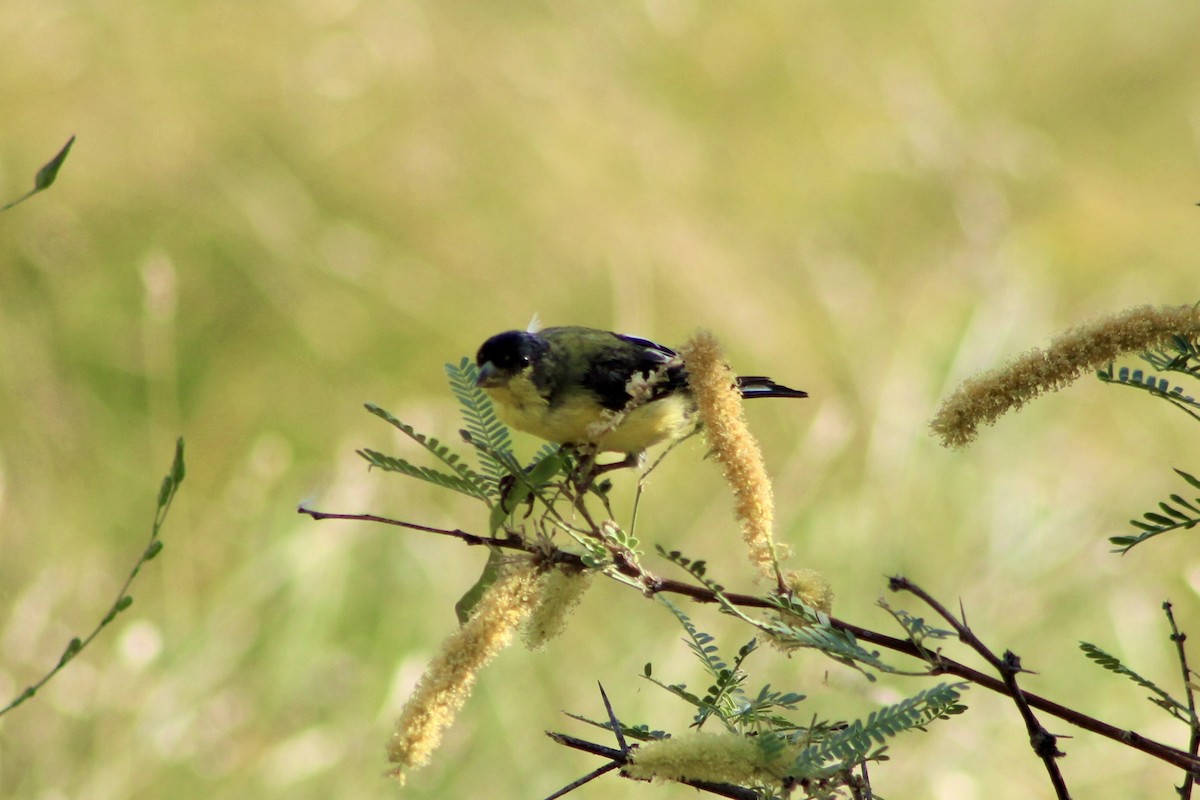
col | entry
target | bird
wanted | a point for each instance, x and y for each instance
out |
(569, 385)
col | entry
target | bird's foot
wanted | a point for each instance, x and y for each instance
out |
(587, 470)
(510, 497)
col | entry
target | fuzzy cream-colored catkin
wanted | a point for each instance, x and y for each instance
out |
(559, 592)
(703, 756)
(719, 404)
(984, 398)
(449, 678)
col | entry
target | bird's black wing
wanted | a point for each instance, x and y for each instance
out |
(619, 359)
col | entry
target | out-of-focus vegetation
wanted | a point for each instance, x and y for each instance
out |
(274, 212)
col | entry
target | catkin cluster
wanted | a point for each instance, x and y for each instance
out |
(522, 597)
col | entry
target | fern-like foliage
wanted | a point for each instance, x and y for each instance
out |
(1158, 696)
(166, 496)
(801, 626)
(864, 740)
(445, 480)
(1181, 357)
(840, 645)
(724, 697)
(698, 641)
(503, 484)
(680, 690)
(697, 568)
(483, 428)
(818, 756)
(1175, 513)
(640, 732)
(463, 479)
(760, 710)
(917, 628)
(798, 625)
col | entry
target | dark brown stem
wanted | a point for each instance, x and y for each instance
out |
(946, 666)
(512, 542)
(1178, 637)
(939, 664)
(1044, 743)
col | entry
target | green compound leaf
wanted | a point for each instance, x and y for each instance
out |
(698, 641)
(863, 740)
(464, 479)
(1160, 697)
(1174, 513)
(484, 429)
(443, 479)
(1181, 357)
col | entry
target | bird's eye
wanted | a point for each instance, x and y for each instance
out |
(523, 361)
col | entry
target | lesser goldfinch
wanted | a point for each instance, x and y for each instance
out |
(565, 384)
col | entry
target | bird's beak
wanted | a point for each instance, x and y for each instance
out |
(489, 376)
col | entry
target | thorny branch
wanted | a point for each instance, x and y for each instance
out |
(939, 664)
(1044, 743)
(1178, 637)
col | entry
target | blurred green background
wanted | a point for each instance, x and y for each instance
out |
(277, 211)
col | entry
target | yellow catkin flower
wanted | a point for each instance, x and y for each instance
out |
(810, 587)
(560, 592)
(702, 756)
(719, 403)
(982, 399)
(449, 678)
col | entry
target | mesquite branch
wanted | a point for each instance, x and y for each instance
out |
(938, 664)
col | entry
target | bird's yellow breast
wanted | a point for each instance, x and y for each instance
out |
(581, 420)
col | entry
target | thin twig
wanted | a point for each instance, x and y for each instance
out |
(1179, 637)
(947, 666)
(1044, 743)
(641, 481)
(591, 776)
(511, 542)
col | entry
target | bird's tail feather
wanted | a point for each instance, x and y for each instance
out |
(762, 386)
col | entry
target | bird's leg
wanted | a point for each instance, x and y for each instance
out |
(637, 459)
(584, 471)
(588, 470)
(507, 486)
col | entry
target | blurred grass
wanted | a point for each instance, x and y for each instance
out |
(276, 212)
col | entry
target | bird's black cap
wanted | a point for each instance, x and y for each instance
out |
(511, 351)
